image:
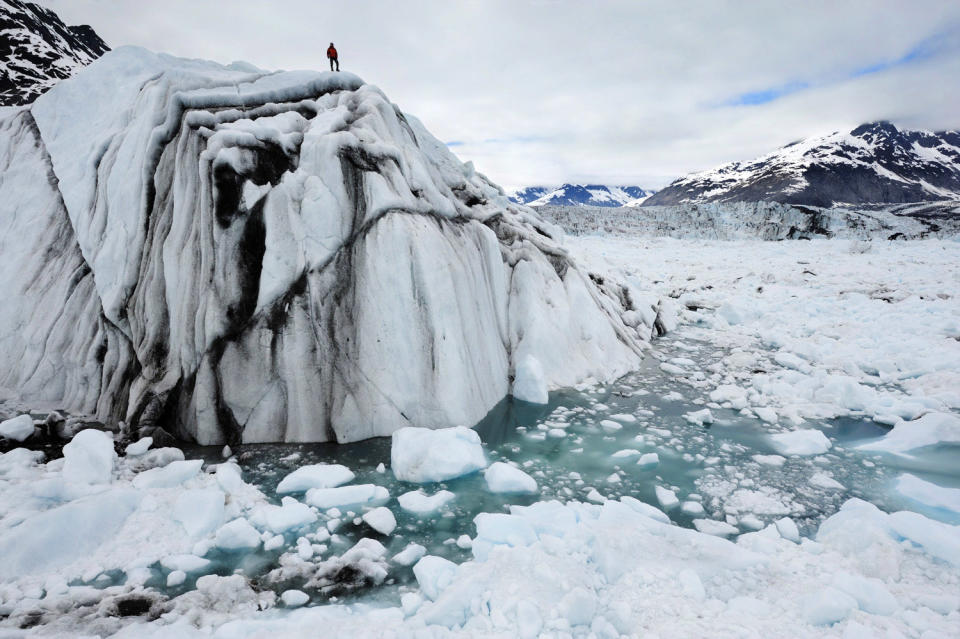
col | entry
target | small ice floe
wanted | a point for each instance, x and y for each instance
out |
(714, 527)
(626, 453)
(419, 503)
(504, 478)
(139, 447)
(294, 598)
(823, 480)
(800, 442)
(237, 535)
(315, 476)
(409, 555)
(929, 430)
(18, 428)
(770, 460)
(381, 519)
(425, 455)
(927, 493)
(324, 498)
(648, 459)
(700, 417)
(610, 426)
(173, 474)
(666, 497)
(89, 458)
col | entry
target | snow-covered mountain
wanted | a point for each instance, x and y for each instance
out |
(581, 195)
(37, 50)
(248, 256)
(872, 164)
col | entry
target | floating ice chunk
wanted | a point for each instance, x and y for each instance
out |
(931, 429)
(828, 605)
(730, 393)
(229, 479)
(610, 426)
(770, 460)
(423, 455)
(155, 458)
(530, 384)
(359, 494)
(766, 413)
(315, 476)
(823, 480)
(504, 478)
(139, 447)
(627, 452)
(237, 535)
(409, 555)
(184, 563)
(927, 493)
(420, 503)
(173, 474)
(290, 515)
(200, 512)
(788, 529)
(800, 442)
(751, 522)
(700, 417)
(666, 497)
(578, 607)
(464, 542)
(871, 595)
(89, 458)
(18, 429)
(381, 519)
(494, 529)
(648, 459)
(714, 527)
(434, 574)
(595, 496)
(645, 509)
(625, 418)
(692, 508)
(691, 585)
(176, 578)
(294, 598)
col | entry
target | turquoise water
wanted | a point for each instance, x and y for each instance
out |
(565, 448)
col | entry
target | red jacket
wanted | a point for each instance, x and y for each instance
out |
(331, 53)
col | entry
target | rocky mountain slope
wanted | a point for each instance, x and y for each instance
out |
(37, 50)
(872, 164)
(581, 195)
(244, 256)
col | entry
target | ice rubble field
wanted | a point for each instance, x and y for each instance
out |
(740, 484)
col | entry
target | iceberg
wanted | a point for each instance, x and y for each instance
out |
(243, 256)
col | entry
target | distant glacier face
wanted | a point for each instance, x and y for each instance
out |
(242, 256)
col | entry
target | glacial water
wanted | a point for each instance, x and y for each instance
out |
(566, 449)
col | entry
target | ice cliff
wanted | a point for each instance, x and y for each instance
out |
(237, 255)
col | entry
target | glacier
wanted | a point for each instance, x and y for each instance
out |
(237, 256)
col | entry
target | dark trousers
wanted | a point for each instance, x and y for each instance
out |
(334, 61)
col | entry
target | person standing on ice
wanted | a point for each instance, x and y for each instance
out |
(332, 56)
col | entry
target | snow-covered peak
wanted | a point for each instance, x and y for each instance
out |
(872, 164)
(39, 50)
(581, 195)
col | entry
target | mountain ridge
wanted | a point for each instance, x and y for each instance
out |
(37, 50)
(569, 194)
(875, 163)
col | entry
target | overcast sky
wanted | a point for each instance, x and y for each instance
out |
(626, 92)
